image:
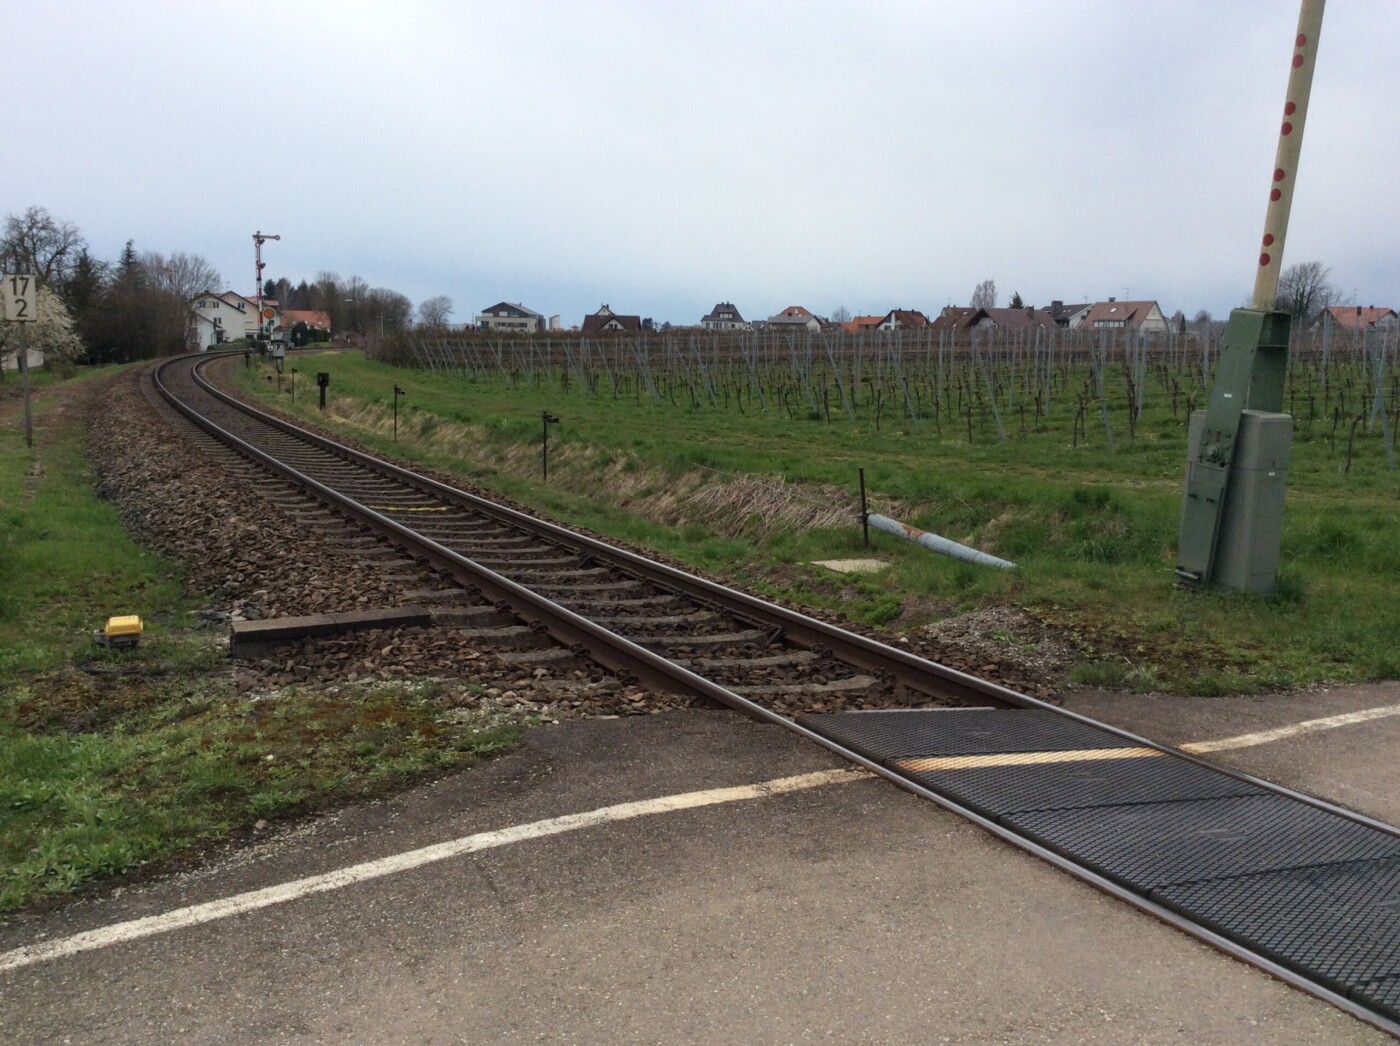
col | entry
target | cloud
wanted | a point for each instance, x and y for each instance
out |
(871, 155)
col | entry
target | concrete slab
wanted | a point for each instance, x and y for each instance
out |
(853, 912)
(852, 566)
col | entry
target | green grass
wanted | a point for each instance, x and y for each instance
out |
(1092, 530)
(111, 761)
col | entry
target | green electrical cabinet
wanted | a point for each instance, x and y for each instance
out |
(1236, 463)
(1251, 517)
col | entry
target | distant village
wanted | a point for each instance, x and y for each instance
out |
(216, 318)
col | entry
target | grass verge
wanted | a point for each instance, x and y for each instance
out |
(114, 761)
(1092, 528)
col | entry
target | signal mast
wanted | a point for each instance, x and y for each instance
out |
(259, 238)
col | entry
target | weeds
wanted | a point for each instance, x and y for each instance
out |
(112, 761)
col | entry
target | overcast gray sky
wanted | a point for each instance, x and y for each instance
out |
(663, 156)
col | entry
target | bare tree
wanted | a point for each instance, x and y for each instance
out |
(38, 243)
(167, 285)
(355, 295)
(841, 315)
(182, 275)
(388, 311)
(1305, 291)
(434, 311)
(1202, 318)
(985, 296)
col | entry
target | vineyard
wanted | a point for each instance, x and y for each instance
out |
(973, 387)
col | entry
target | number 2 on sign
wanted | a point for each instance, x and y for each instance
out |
(19, 299)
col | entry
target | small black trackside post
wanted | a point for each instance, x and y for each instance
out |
(546, 419)
(864, 515)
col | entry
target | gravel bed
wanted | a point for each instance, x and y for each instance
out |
(259, 562)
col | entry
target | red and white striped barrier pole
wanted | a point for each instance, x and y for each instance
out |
(1290, 145)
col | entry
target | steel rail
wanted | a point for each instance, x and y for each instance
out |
(622, 655)
(801, 629)
(907, 669)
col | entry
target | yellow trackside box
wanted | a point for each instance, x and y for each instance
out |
(123, 629)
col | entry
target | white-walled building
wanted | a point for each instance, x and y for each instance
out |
(724, 317)
(1145, 316)
(217, 318)
(503, 316)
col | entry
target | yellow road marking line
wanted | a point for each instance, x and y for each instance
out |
(1261, 737)
(975, 762)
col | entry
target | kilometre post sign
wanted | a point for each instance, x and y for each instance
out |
(21, 298)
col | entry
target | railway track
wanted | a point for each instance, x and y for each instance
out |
(1192, 843)
(640, 619)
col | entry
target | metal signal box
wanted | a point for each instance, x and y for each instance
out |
(1251, 518)
(1227, 456)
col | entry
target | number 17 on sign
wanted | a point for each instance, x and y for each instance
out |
(21, 304)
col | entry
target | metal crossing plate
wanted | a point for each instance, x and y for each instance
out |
(958, 731)
(1152, 846)
(1308, 888)
(995, 791)
(1383, 995)
(1339, 924)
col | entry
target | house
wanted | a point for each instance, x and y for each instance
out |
(724, 317)
(217, 318)
(903, 319)
(1355, 318)
(503, 316)
(1068, 316)
(861, 323)
(795, 317)
(607, 320)
(1144, 316)
(965, 317)
(956, 318)
(315, 320)
(1014, 319)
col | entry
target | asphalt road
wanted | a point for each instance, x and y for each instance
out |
(847, 913)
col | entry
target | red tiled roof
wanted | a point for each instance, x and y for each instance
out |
(860, 323)
(1019, 319)
(956, 317)
(1354, 317)
(311, 317)
(1131, 313)
(906, 318)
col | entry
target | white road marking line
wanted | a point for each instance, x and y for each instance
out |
(1308, 726)
(193, 915)
(29, 955)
